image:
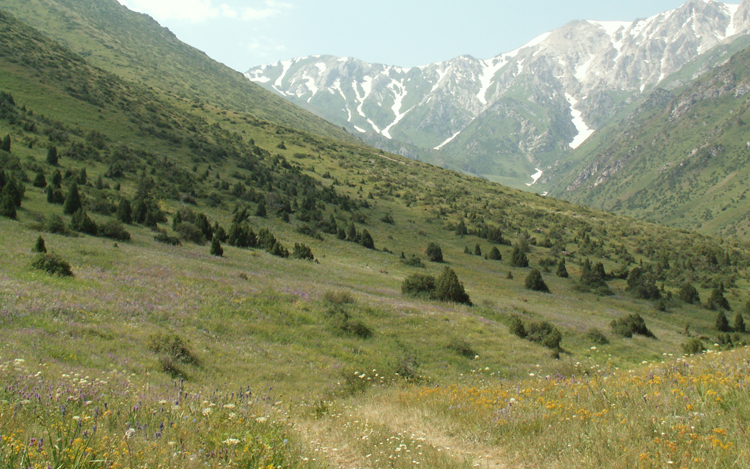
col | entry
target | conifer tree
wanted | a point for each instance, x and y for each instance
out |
(72, 201)
(461, 229)
(8, 206)
(434, 253)
(51, 195)
(14, 191)
(52, 158)
(83, 178)
(5, 144)
(477, 250)
(739, 323)
(261, 210)
(495, 254)
(39, 245)
(351, 232)
(535, 282)
(448, 288)
(367, 240)
(562, 271)
(688, 294)
(717, 301)
(40, 180)
(216, 249)
(124, 211)
(518, 257)
(56, 179)
(722, 324)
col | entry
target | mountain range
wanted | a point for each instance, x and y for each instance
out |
(519, 113)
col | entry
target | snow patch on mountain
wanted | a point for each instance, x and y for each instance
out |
(584, 131)
(489, 69)
(535, 176)
(285, 65)
(447, 141)
(399, 91)
(366, 89)
(337, 86)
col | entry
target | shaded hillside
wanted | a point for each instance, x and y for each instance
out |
(682, 158)
(137, 48)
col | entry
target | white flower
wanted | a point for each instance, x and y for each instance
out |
(206, 411)
(231, 441)
(129, 433)
(261, 419)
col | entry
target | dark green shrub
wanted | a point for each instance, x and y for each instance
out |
(535, 282)
(477, 250)
(173, 346)
(39, 245)
(216, 249)
(114, 229)
(419, 285)
(338, 297)
(739, 323)
(461, 347)
(516, 327)
(596, 336)
(688, 294)
(412, 261)
(357, 328)
(166, 239)
(302, 251)
(81, 222)
(448, 288)
(55, 224)
(279, 250)
(562, 271)
(693, 346)
(630, 325)
(544, 333)
(189, 232)
(434, 253)
(52, 264)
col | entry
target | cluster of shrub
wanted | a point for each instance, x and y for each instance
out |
(541, 332)
(494, 253)
(445, 288)
(352, 235)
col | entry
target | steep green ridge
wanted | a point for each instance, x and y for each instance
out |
(679, 158)
(162, 332)
(137, 48)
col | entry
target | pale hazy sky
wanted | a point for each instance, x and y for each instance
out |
(245, 33)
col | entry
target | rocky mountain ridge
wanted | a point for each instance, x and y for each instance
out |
(507, 116)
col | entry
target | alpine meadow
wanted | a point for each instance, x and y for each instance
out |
(195, 272)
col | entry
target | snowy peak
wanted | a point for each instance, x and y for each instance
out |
(563, 76)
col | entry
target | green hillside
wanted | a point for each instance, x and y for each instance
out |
(681, 158)
(137, 48)
(325, 331)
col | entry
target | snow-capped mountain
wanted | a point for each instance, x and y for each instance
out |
(506, 116)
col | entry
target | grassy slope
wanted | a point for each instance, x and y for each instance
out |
(137, 48)
(260, 322)
(688, 171)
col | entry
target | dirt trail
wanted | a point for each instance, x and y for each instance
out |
(326, 437)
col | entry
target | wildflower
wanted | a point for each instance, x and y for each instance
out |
(231, 441)
(261, 419)
(129, 433)
(207, 411)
